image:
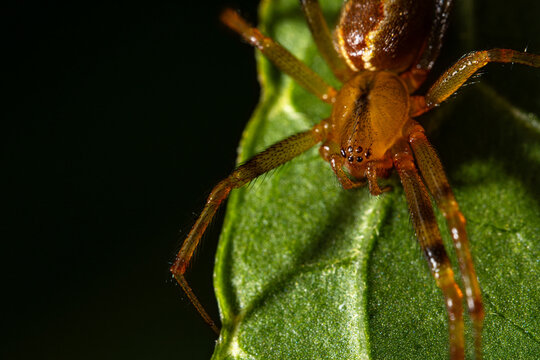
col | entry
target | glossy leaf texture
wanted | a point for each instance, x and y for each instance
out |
(306, 270)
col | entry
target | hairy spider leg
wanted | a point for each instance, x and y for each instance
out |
(280, 57)
(449, 82)
(429, 237)
(435, 178)
(271, 158)
(323, 39)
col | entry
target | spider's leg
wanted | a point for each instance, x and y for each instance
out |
(437, 183)
(280, 57)
(323, 39)
(430, 240)
(271, 158)
(449, 82)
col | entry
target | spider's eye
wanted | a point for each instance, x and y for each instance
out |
(368, 153)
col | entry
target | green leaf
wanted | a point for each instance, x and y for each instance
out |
(306, 270)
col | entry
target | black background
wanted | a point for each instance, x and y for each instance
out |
(104, 170)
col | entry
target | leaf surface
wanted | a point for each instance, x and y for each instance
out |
(306, 270)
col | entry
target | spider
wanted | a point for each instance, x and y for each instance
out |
(382, 52)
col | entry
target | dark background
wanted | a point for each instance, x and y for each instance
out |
(104, 171)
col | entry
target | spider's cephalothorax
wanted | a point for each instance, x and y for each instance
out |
(383, 52)
(367, 119)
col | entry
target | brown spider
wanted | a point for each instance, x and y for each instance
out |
(382, 52)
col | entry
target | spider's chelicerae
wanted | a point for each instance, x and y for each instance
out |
(381, 51)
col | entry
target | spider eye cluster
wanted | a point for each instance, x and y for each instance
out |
(353, 154)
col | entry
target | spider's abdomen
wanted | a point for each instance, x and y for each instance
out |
(369, 115)
(383, 34)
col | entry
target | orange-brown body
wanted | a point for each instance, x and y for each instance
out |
(381, 51)
(367, 119)
(382, 43)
